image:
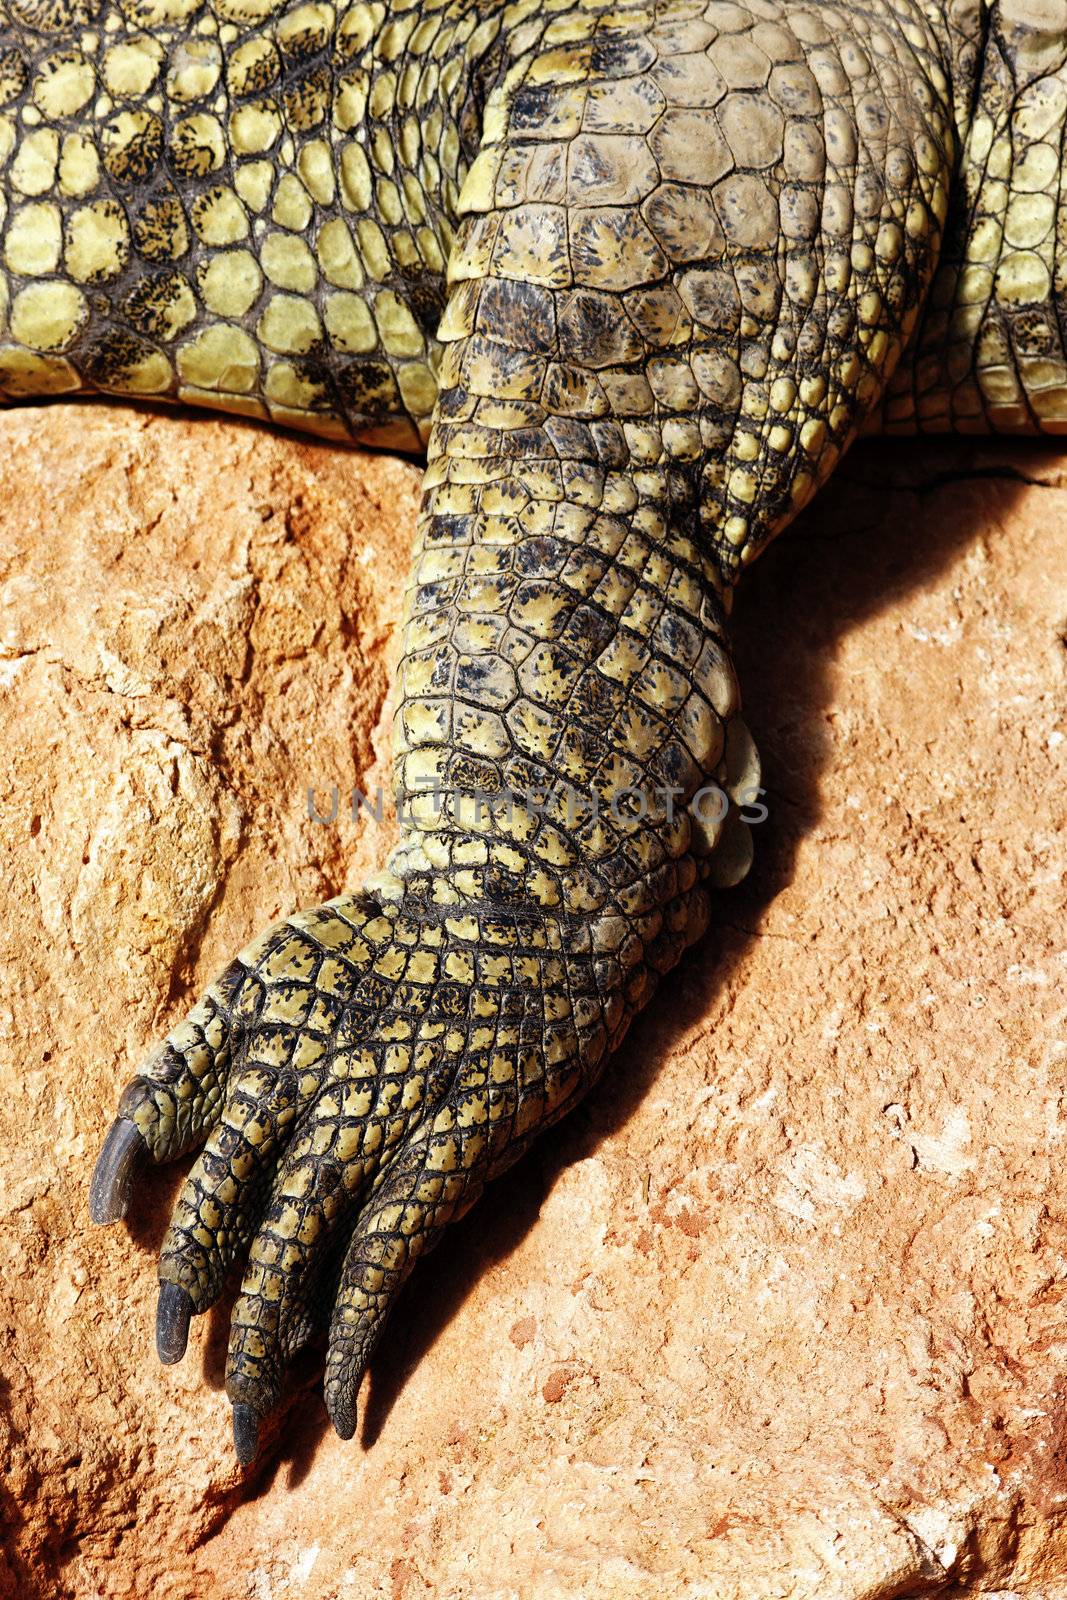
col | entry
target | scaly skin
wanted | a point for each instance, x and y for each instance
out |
(687, 245)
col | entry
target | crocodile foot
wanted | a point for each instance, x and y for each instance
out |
(357, 1074)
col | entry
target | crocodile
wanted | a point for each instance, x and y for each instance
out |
(631, 275)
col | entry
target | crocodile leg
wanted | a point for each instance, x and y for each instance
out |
(685, 263)
(990, 355)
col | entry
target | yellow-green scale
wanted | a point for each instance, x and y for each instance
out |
(245, 206)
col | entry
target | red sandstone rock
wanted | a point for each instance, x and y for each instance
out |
(781, 1310)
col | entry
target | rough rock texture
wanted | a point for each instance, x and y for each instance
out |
(780, 1311)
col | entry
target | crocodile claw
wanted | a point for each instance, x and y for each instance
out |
(173, 1312)
(122, 1157)
(245, 1433)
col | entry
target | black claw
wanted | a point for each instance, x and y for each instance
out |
(341, 1404)
(118, 1163)
(245, 1433)
(344, 1422)
(172, 1322)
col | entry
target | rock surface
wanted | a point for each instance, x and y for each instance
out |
(780, 1311)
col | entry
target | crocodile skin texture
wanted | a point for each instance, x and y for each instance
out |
(633, 276)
